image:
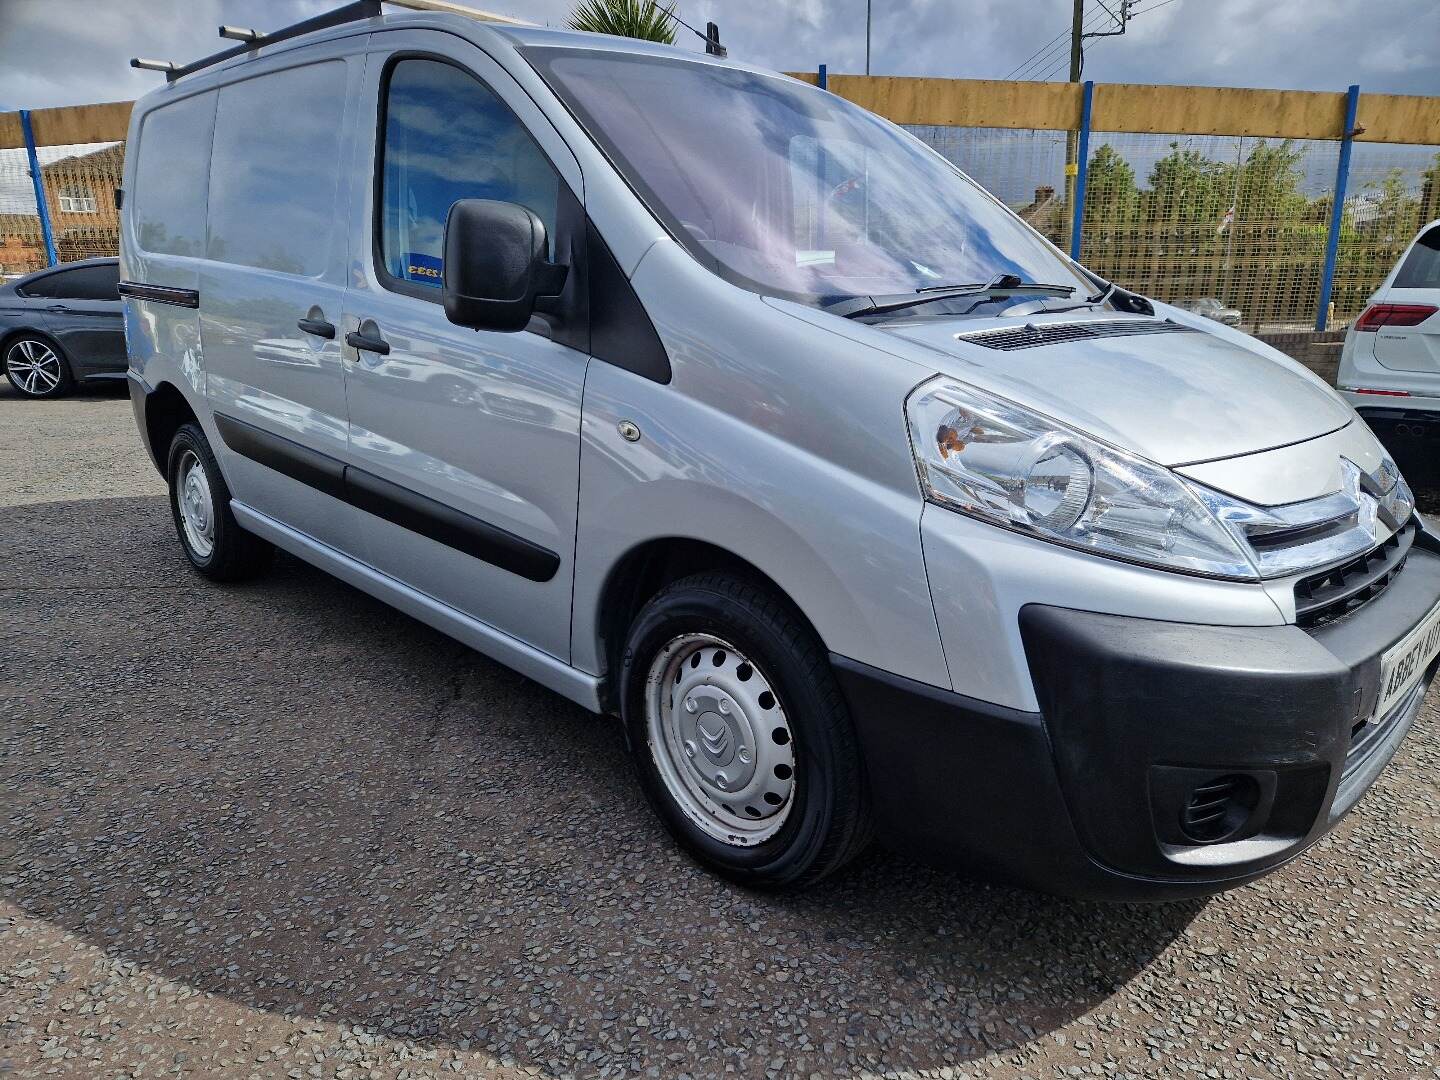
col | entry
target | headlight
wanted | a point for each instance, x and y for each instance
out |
(996, 461)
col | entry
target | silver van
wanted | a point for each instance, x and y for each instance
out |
(708, 399)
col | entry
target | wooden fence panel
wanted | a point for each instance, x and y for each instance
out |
(69, 125)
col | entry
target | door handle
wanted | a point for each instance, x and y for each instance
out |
(368, 339)
(58, 309)
(319, 327)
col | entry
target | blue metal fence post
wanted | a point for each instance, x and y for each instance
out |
(1337, 211)
(44, 211)
(821, 80)
(1082, 166)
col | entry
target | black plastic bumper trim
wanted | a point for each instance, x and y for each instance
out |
(1085, 797)
(396, 504)
(160, 294)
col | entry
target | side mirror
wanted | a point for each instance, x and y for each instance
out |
(495, 266)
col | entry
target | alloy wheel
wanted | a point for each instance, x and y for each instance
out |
(34, 367)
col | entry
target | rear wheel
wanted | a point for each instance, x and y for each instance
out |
(740, 735)
(212, 539)
(36, 367)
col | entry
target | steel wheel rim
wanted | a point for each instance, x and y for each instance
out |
(197, 512)
(33, 366)
(720, 739)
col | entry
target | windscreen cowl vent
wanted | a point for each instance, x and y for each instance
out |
(1034, 335)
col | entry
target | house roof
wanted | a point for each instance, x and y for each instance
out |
(108, 159)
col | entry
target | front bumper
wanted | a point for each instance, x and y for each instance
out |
(1091, 796)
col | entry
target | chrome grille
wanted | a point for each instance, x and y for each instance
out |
(1325, 533)
(1033, 335)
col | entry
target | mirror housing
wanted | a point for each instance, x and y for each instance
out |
(495, 265)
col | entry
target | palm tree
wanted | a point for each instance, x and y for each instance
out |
(643, 19)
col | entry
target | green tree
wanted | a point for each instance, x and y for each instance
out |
(643, 19)
(1111, 197)
(1186, 188)
(1268, 186)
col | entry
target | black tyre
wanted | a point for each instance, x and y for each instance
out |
(36, 367)
(740, 735)
(213, 540)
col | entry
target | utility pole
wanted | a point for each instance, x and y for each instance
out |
(1077, 63)
(1077, 33)
(867, 37)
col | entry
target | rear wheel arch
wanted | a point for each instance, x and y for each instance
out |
(30, 331)
(166, 410)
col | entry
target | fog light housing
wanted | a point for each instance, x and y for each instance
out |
(1219, 808)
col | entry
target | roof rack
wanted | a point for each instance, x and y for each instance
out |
(352, 12)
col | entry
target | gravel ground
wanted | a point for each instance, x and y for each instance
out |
(279, 830)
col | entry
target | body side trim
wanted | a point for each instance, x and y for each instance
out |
(298, 462)
(384, 499)
(161, 294)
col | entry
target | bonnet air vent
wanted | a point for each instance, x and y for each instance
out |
(1033, 335)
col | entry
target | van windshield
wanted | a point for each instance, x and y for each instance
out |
(788, 190)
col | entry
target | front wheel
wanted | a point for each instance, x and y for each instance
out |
(740, 735)
(213, 540)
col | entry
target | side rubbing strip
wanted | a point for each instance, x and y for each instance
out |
(320, 471)
(449, 526)
(161, 294)
(392, 502)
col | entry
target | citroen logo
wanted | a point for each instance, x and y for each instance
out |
(714, 737)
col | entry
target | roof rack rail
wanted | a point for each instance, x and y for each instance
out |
(352, 12)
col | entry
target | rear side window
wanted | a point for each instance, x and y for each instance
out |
(276, 169)
(448, 137)
(170, 176)
(1422, 265)
(82, 283)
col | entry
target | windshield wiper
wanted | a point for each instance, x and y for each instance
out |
(1000, 285)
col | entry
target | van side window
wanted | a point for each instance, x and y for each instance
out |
(171, 175)
(1422, 266)
(273, 178)
(448, 137)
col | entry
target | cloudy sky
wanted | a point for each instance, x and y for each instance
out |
(63, 52)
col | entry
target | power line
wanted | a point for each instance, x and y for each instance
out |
(1026, 62)
(1152, 7)
(1045, 55)
(1042, 56)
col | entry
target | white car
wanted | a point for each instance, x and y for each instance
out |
(1390, 366)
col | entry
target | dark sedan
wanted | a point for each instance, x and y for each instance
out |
(62, 326)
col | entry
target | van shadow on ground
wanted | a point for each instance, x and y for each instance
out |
(287, 794)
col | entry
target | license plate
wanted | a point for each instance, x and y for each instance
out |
(1404, 663)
